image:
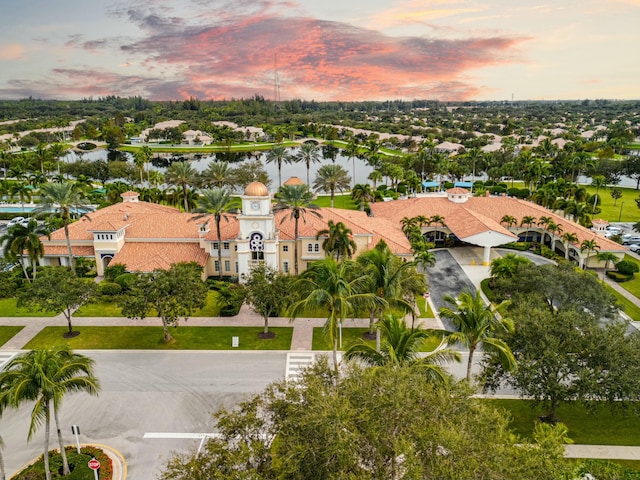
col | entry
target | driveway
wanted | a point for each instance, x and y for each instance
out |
(447, 277)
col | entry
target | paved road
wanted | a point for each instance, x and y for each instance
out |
(148, 392)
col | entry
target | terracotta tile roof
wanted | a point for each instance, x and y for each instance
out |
(487, 211)
(147, 256)
(78, 250)
(229, 230)
(142, 220)
(358, 222)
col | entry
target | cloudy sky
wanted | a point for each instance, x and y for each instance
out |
(323, 49)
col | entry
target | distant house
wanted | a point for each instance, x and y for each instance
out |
(196, 137)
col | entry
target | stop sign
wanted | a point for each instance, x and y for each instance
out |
(94, 464)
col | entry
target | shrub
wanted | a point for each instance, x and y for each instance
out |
(618, 277)
(126, 281)
(498, 190)
(109, 288)
(448, 185)
(627, 267)
(605, 469)
(113, 271)
(520, 246)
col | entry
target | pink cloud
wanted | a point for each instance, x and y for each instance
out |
(12, 51)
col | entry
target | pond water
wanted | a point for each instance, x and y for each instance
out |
(201, 161)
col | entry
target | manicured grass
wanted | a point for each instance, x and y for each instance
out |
(424, 307)
(8, 308)
(349, 335)
(625, 305)
(613, 213)
(598, 428)
(352, 334)
(633, 285)
(6, 333)
(339, 201)
(151, 338)
(99, 309)
(111, 309)
(211, 308)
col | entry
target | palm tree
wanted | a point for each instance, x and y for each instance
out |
(402, 346)
(331, 178)
(140, 159)
(309, 153)
(44, 377)
(477, 323)
(217, 202)
(508, 265)
(392, 280)
(19, 239)
(62, 198)
(58, 150)
(509, 220)
(567, 238)
(436, 220)
(607, 258)
(278, 155)
(362, 193)
(218, 174)
(597, 181)
(336, 287)
(339, 241)
(43, 155)
(22, 190)
(587, 246)
(351, 151)
(298, 199)
(554, 229)
(182, 175)
(2, 472)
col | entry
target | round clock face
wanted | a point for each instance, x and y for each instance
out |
(255, 206)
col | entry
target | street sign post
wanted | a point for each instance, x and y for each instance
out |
(75, 429)
(95, 466)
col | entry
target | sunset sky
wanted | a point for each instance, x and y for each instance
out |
(325, 49)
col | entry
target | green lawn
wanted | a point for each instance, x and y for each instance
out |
(424, 307)
(111, 309)
(150, 338)
(628, 212)
(599, 428)
(625, 305)
(7, 333)
(8, 308)
(349, 335)
(632, 286)
(340, 201)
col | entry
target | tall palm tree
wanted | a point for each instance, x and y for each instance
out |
(62, 199)
(567, 238)
(44, 377)
(19, 239)
(477, 324)
(58, 150)
(554, 229)
(401, 346)
(362, 193)
(43, 155)
(607, 258)
(331, 178)
(392, 280)
(182, 174)
(351, 151)
(336, 287)
(587, 246)
(597, 181)
(309, 153)
(139, 160)
(218, 174)
(339, 241)
(22, 191)
(278, 155)
(298, 199)
(218, 203)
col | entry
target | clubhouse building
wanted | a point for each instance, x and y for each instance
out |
(146, 236)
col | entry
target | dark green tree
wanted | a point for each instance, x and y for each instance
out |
(386, 423)
(57, 290)
(173, 294)
(267, 291)
(338, 242)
